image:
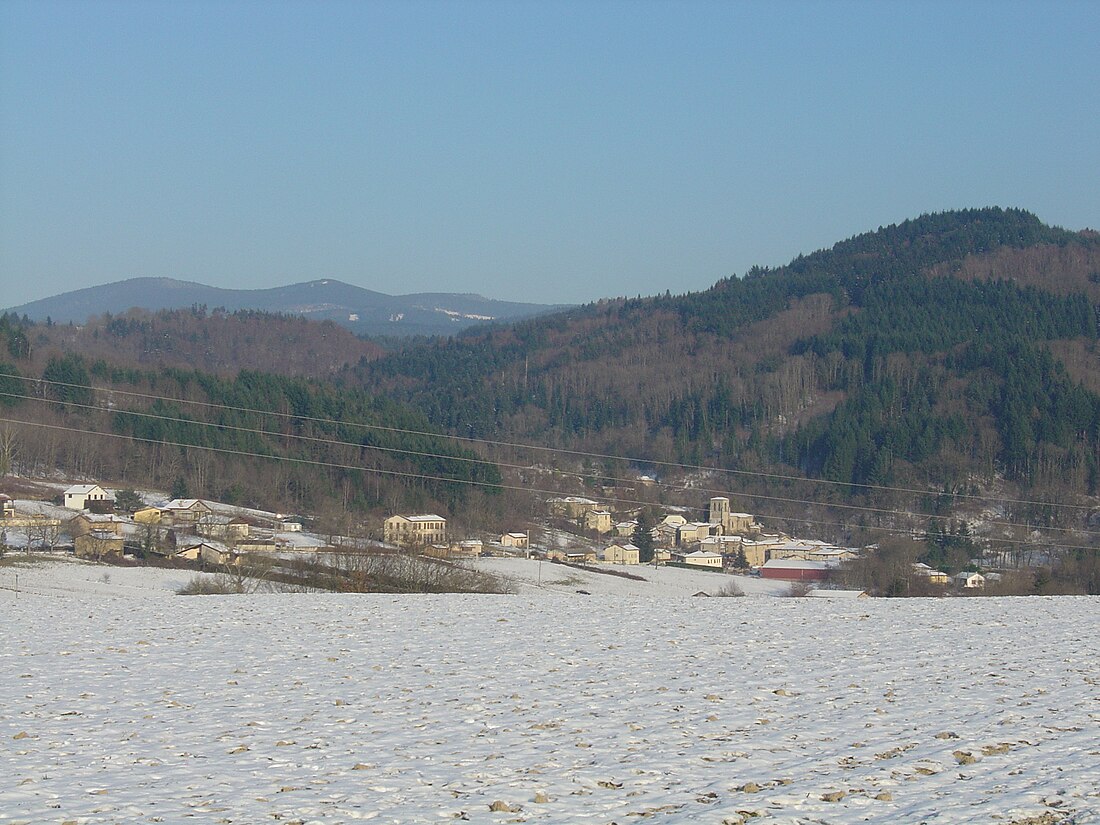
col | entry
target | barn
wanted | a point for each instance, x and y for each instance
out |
(798, 570)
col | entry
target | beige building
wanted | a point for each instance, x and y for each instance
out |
(221, 527)
(87, 522)
(756, 552)
(576, 556)
(95, 544)
(147, 515)
(185, 511)
(572, 506)
(621, 554)
(209, 553)
(520, 541)
(598, 520)
(415, 531)
(7, 506)
(695, 532)
(467, 549)
(718, 512)
(721, 544)
(700, 558)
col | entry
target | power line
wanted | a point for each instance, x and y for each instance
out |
(562, 451)
(519, 467)
(485, 484)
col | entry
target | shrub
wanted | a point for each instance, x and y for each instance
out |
(731, 589)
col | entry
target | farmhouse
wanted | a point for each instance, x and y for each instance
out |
(208, 552)
(222, 527)
(933, 576)
(7, 506)
(87, 522)
(699, 558)
(572, 506)
(96, 544)
(695, 532)
(970, 581)
(185, 511)
(415, 531)
(621, 554)
(467, 549)
(575, 556)
(626, 528)
(598, 520)
(520, 541)
(147, 515)
(78, 496)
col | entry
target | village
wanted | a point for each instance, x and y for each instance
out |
(93, 522)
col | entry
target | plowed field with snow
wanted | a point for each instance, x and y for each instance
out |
(556, 707)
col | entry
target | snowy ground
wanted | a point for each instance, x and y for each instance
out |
(531, 575)
(125, 703)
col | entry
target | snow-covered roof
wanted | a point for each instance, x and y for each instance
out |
(82, 489)
(796, 564)
(183, 504)
(102, 518)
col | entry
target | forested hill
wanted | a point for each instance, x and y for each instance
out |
(952, 347)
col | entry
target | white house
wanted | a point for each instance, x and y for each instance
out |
(970, 581)
(78, 496)
(700, 558)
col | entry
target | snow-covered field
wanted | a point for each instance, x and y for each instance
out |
(122, 702)
(529, 575)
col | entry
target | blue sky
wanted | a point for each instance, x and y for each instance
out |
(534, 151)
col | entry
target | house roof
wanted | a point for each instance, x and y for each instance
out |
(702, 554)
(82, 489)
(101, 518)
(183, 504)
(795, 564)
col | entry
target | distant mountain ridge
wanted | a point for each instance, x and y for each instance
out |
(363, 311)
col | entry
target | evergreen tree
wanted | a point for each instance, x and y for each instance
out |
(643, 537)
(179, 488)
